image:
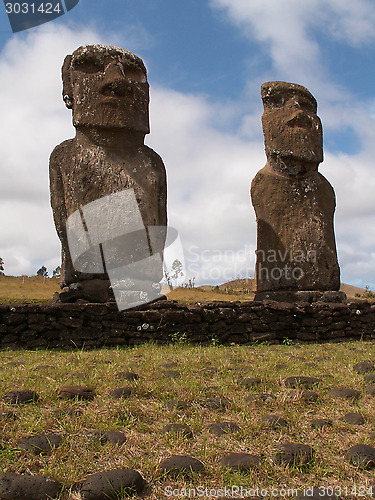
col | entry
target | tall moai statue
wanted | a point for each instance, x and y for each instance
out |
(108, 190)
(293, 202)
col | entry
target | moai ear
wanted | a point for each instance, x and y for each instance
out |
(67, 82)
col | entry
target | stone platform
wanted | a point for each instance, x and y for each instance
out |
(90, 326)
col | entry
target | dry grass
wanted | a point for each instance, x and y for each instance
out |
(37, 289)
(142, 416)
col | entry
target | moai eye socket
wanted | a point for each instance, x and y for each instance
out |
(275, 100)
(88, 64)
(133, 73)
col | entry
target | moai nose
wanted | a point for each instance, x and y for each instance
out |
(115, 81)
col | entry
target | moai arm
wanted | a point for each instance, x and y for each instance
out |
(59, 209)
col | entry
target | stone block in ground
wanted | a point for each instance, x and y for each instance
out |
(275, 422)
(27, 487)
(182, 429)
(220, 428)
(121, 392)
(18, 397)
(353, 418)
(40, 444)
(364, 367)
(112, 484)
(240, 461)
(184, 464)
(344, 393)
(296, 382)
(361, 455)
(319, 423)
(294, 454)
(79, 392)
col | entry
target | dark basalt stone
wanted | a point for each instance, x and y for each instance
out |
(79, 392)
(319, 423)
(113, 437)
(364, 367)
(370, 390)
(361, 455)
(177, 404)
(294, 454)
(353, 418)
(178, 429)
(181, 463)
(121, 392)
(369, 378)
(260, 398)
(27, 487)
(240, 461)
(344, 393)
(220, 428)
(20, 397)
(249, 382)
(112, 484)
(40, 444)
(275, 421)
(171, 373)
(216, 403)
(127, 376)
(301, 381)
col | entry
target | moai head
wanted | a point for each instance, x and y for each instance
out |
(292, 130)
(106, 87)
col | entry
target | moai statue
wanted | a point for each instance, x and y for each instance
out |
(293, 202)
(108, 190)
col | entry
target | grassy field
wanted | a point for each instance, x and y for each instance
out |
(36, 289)
(200, 373)
(203, 372)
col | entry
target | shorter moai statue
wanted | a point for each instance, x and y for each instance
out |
(108, 190)
(294, 203)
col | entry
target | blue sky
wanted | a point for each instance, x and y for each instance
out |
(206, 60)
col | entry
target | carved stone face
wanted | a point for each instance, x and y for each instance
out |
(292, 130)
(106, 87)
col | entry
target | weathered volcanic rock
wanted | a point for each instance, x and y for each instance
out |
(249, 382)
(220, 428)
(294, 453)
(26, 487)
(353, 418)
(301, 381)
(177, 404)
(216, 403)
(275, 421)
(121, 392)
(108, 174)
(361, 455)
(300, 255)
(71, 392)
(113, 437)
(260, 398)
(319, 423)
(181, 463)
(40, 444)
(178, 429)
(20, 397)
(112, 484)
(240, 461)
(127, 376)
(369, 378)
(171, 373)
(344, 393)
(364, 367)
(370, 390)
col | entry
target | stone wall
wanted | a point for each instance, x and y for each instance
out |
(102, 325)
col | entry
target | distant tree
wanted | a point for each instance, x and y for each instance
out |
(1, 267)
(57, 272)
(177, 270)
(42, 272)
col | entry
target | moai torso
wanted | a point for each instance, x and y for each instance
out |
(293, 202)
(107, 89)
